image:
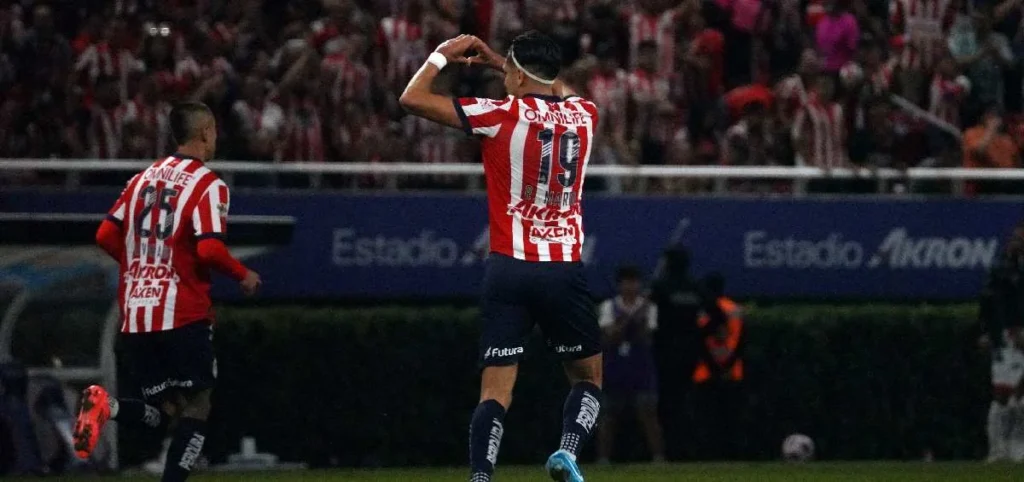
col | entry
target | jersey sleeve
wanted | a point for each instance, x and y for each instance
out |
(117, 212)
(210, 217)
(482, 117)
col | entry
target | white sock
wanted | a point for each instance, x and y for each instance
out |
(997, 429)
(1016, 430)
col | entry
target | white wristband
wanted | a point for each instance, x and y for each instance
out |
(438, 60)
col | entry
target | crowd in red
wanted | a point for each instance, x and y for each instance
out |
(739, 82)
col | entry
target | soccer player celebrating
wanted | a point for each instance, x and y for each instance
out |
(166, 233)
(536, 143)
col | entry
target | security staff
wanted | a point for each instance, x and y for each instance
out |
(677, 346)
(718, 377)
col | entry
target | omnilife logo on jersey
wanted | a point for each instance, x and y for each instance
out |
(898, 249)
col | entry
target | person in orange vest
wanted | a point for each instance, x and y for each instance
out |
(718, 377)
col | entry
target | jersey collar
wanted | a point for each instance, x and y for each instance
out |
(184, 157)
(547, 98)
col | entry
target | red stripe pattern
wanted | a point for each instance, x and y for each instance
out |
(535, 153)
(164, 212)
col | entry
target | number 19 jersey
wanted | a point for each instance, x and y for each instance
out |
(535, 153)
(164, 212)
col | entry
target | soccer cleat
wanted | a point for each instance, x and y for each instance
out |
(562, 467)
(93, 414)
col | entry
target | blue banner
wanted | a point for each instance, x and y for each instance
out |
(429, 246)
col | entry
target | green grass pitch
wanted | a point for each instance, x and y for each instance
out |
(731, 472)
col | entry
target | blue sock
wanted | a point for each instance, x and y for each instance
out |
(579, 416)
(485, 431)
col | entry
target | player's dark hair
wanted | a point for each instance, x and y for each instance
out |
(628, 272)
(538, 54)
(185, 120)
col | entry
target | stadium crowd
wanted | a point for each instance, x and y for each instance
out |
(691, 82)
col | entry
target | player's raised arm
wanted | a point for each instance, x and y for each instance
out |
(420, 100)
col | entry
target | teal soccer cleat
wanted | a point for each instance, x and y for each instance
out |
(562, 467)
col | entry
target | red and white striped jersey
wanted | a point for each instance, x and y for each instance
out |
(944, 99)
(164, 212)
(646, 87)
(303, 133)
(404, 45)
(792, 93)
(660, 29)
(103, 136)
(535, 151)
(350, 81)
(925, 23)
(154, 120)
(100, 60)
(609, 92)
(822, 125)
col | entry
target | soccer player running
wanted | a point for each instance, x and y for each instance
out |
(166, 231)
(536, 143)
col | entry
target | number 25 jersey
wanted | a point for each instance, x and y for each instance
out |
(535, 153)
(163, 213)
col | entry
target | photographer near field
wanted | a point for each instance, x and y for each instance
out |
(1002, 305)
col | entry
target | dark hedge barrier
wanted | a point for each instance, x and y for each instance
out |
(395, 386)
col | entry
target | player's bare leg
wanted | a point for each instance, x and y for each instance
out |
(96, 407)
(487, 425)
(579, 416)
(188, 436)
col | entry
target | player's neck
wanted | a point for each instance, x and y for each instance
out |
(538, 91)
(190, 152)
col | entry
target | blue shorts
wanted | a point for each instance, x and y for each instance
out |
(518, 294)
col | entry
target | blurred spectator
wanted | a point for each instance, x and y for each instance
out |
(318, 80)
(719, 378)
(679, 300)
(946, 96)
(836, 37)
(871, 142)
(988, 145)
(750, 142)
(628, 323)
(819, 128)
(923, 26)
(744, 16)
(984, 55)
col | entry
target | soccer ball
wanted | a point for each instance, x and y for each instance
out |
(798, 448)
(851, 74)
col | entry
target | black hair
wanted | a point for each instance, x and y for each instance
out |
(185, 119)
(538, 54)
(628, 272)
(714, 283)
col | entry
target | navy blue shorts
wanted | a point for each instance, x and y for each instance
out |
(518, 294)
(160, 362)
